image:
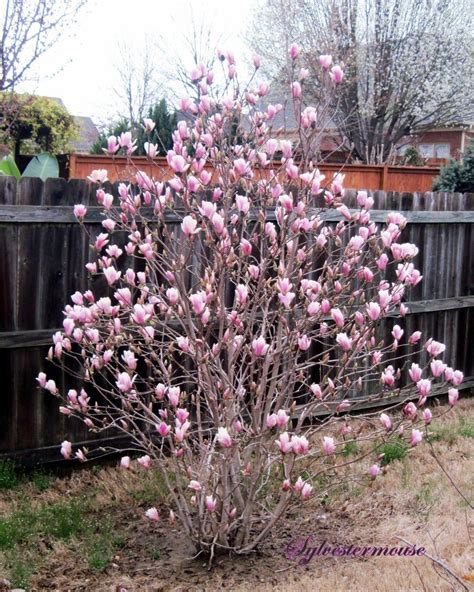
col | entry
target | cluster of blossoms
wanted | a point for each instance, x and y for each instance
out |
(244, 297)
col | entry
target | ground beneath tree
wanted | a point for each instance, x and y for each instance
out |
(109, 546)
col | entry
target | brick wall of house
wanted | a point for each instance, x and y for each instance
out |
(451, 137)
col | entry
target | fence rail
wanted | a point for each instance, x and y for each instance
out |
(43, 252)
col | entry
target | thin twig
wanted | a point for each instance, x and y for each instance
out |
(433, 454)
(438, 562)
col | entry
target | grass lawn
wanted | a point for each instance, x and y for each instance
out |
(87, 532)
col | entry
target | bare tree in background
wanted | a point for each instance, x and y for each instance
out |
(138, 87)
(29, 28)
(192, 40)
(408, 64)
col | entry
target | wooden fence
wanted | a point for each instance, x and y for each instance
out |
(360, 176)
(42, 256)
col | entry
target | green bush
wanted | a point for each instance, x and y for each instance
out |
(457, 176)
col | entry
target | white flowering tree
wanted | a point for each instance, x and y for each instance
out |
(408, 64)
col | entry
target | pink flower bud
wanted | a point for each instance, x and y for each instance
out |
(294, 51)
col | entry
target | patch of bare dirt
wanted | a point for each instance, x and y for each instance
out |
(413, 500)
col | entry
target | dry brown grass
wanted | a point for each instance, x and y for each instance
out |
(413, 500)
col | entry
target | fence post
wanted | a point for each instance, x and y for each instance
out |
(384, 179)
(72, 166)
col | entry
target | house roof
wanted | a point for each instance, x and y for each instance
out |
(87, 134)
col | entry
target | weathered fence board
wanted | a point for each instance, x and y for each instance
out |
(43, 252)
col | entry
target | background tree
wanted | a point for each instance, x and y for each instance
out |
(30, 124)
(191, 40)
(28, 29)
(458, 176)
(408, 64)
(138, 86)
(165, 123)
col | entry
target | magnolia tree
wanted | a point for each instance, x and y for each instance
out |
(243, 315)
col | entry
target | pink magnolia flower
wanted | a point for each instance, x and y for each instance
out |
(211, 503)
(424, 387)
(148, 125)
(98, 176)
(410, 410)
(414, 337)
(152, 514)
(80, 211)
(282, 418)
(374, 471)
(259, 347)
(416, 437)
(304, 343)
(373, 311)
(242, 203)
(183, 343)
(112, 146)
(163, 429)
(294, 51)
(299, 444)
(195, 485)
(188, 225)
(271, 421)
(328, 445)
(325, 62)
(177, 163)
(434, 348)
(437, 368)
(112, 275)
(299, 484)
(397, 332)
(66, 449)
(427, 416)
(457, 378)
(284, 443)
(306, 491)
(125, 462)
(173, 295)
(386, 421)
(223, 437)
(241, 294)
(453, 396)
(124, 382)
(41, 379)
(336, 74)
(337, 317)
(173, 395)
(344, 341)
(180, 431)
(415, 373)
(316, 390)
(296, 89)
(286, 299)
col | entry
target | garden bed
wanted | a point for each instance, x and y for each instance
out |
(87, 531)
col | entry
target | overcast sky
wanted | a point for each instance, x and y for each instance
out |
(81, 69)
